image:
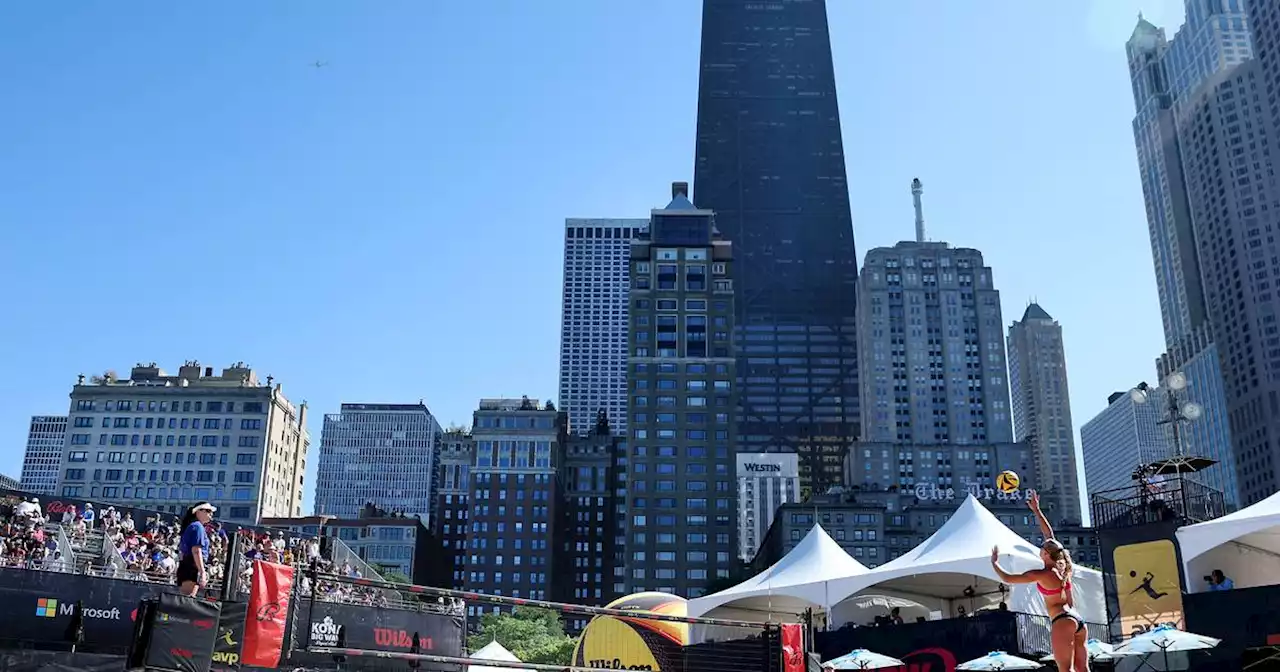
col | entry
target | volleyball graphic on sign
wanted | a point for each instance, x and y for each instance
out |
(622, 643)
(1007, 481)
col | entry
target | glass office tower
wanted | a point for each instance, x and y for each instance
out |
(770, 164)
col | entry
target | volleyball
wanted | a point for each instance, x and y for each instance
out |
(1007, 481)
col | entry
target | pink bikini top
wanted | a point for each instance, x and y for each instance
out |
(1066, 585)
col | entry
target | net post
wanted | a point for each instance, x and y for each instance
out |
(231, 570)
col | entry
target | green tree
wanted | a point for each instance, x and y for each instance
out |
(393, 576)
(534, 635)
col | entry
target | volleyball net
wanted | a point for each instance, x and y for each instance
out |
(453, 630)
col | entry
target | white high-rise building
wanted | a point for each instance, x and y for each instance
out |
(160, 441)
(1118, 439)
(45, 439)
(593, 320)
(380, 454)
(1042, 409)
(765, 482)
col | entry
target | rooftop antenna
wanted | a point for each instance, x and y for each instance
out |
(917, 190)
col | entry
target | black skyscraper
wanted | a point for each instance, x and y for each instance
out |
(770, 164)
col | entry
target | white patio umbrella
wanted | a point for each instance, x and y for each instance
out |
(1164, 639)
(999, 660)
(1097, 650)
(862, 659)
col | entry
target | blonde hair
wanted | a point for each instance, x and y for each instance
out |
(1059, 555)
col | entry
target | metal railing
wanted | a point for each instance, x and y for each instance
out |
(112, 562)
(1175, 499)
(1034, 636)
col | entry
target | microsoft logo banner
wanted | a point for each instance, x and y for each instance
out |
(48, 607)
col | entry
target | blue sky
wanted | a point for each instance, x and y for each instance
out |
(176, 181)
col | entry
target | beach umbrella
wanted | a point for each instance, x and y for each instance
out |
(862, 659)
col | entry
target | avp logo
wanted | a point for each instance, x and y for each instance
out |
(755, 466)
(48, 607)
(230, 653)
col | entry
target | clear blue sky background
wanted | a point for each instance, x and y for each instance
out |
(177, 182)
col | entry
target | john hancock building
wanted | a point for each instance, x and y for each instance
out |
(770, 164)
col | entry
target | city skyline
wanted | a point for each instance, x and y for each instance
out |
(452, 391)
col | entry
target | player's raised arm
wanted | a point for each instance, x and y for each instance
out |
(1033, 501)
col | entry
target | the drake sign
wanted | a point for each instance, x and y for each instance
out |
(931, 492)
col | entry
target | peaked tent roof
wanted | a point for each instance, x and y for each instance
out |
(797, 581)
(958, 556)
(1256, 526)
(495, 652)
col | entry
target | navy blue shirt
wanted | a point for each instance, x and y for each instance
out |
(192, 537)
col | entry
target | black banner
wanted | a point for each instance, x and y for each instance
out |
(934, 645)
(182, 633)
(1243, 618)
(379, 629)
(226, 650)
(36, 609)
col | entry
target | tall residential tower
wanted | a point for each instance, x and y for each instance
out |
(380, 454)
(770, 164)
(681, 508)
(1042, 409)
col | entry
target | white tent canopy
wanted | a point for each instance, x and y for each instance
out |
(958, 556)
(497, 653)
(795, 583)
(1245, 545)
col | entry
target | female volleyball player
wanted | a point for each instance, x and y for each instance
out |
(1067, 630)
(193, 546)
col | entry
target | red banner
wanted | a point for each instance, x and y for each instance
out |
(792, 648)
(267, 615)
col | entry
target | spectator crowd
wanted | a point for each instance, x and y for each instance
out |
(147, 550)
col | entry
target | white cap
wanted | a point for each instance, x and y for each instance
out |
(205, 506)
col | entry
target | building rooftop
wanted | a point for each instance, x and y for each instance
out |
(1035, 312)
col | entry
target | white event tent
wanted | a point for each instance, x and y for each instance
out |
(958, 556)
(797, 582)
(1245, 545)
(495, 652)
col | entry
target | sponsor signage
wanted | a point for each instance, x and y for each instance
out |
(36, 607)
(49, 607)
(226, 648)
(324, 633)
(931, 492)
